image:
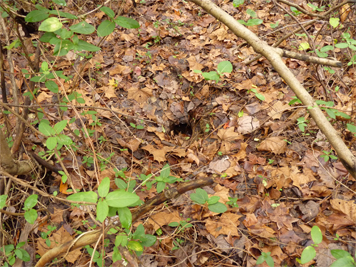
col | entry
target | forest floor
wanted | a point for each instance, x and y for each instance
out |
(272, 167)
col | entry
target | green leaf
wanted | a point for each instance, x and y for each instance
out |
(320, 54)
(135, 246)
(218, 207)
(334, 22)
(274, 25)
(308, 254)
(102, 210)
(104, 187)
(331, 113)
(127, 22)
(21, 244)
(166, 171)
(327, 48)
(160, 186)
(64, 140)
(251, 13)
(121, 199)
(24, 254)
(120, 183)
(316, 235)
(108, 11)
(30, 202)
(121, 240)
(3, 201)
(173, 224)
(342, 45)
(254, 22)
(82, 27)
(265, 257)
(91, 197)
(105, 28)
(304, 46)
(237, 3)
(52, 86)
(339, 253)
(211, 76)
(225, 67)
(84, 46)
(60, 2)
(148, 240)
(295, 11)
(64, 33)
(45, 128)
(351, 127)
(125, 216)
(213, 200)
(36, 15)
(31, 216)
(18, 253)
(140, 232)
(116, 256)
(50, 25)
(64, 14)
(59, 127)
(52, 142)
(344, 262)
(200, 196)
(8, 249)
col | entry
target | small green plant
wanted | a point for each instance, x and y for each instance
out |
(207, 128)
(265, 257)
(201, 197)
(98, 257)
(233, 202)
(9, 141)
(177, 242)
(302, 123)
(337, 237)
(45, 235)
(223, 67)
(88, 160)
(55, 138)
(288, 142)
(328, 155)
(30, 213)
(270, 161)
(330, 111)
(156, 24)
(11, 253)
(237, 3)
(101, 139)
(309, 252)
(138, 127)
(274, 25)
(315, 8)
(294, 100)
(258, 95)
(251, 22)
(181, 226)
(64, 176)
(295, 11)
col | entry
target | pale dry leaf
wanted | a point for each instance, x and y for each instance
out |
(275, 145)
(229, 134)
(247, 124)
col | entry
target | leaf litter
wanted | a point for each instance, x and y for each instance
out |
(260, 156)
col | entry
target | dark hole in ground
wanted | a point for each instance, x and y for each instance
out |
(182, 128)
